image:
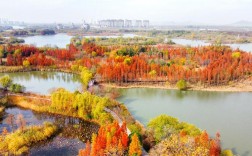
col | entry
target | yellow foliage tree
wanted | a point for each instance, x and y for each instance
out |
(135, 147)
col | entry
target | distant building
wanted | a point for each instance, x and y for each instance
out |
(137, 23)
(114, 23)
(146, 23)
(128, 23)
(59, 26)
(73, 26)
(111, 23)
(85, 26)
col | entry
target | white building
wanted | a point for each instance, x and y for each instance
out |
(115, 23)
(146, 23)
(128, 23)
(137, 24)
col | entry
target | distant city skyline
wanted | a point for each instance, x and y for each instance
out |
(214, 12)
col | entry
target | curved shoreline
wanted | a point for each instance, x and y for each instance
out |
(239, 87)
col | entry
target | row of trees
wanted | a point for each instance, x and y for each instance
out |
(210, 65)
(84, 105)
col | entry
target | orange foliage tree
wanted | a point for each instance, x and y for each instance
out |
(111, 139)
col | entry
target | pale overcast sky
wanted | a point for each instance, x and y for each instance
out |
(196, 11)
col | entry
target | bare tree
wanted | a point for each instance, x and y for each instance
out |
(10, 121)
(21, 121)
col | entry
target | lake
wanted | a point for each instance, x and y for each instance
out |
(61, 40)
(44, 82)
(194, 43)
(226, 112)
(73, 134)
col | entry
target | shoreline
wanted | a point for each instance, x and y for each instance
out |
(238, 87)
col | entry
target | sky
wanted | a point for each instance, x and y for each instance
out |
(215, 12)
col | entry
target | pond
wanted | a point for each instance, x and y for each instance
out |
(226, 112)
(61, 40)
(72, 136)
(44, 82)
(194, 43)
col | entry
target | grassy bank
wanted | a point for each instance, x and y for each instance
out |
(3, 103)
(82, 105)
(12, 69)
(20, 141)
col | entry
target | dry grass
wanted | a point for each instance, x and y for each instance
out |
(20, 141)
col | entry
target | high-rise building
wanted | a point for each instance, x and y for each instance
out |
(113, 23)
(146, 23)
(128, 23)
(137, 23)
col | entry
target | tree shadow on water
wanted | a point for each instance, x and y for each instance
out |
(128, 101)
(246, 153)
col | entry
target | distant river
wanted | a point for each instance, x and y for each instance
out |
(194, 43)
(60, 40)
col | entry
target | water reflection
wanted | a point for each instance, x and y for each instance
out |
(42, 82)
(195, 43)
(226, 112)
(73, 133)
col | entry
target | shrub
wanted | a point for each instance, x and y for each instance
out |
(17, 88)
(163, 126)
(5, 81)
(181, 84)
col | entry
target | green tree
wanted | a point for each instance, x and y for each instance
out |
(1, 55)
(181, 84)
(163, 126)
(5, 81)
(16, 88)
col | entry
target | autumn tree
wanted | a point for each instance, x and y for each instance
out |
(21, 121)
(86, 76)
(5, 81)
(135, 147)
(111, 139)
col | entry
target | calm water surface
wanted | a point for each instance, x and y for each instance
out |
(224, 112)
(58, 40)
(71, 137)
(194, 43)
(44, 82)
(61, 40)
